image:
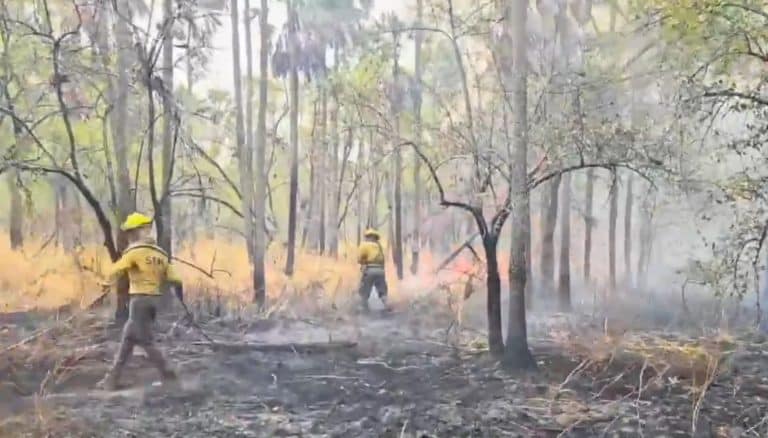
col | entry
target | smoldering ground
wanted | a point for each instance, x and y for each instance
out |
(423, 370)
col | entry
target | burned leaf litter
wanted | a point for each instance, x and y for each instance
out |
(383, 381)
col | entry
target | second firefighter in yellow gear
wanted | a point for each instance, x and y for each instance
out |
(148, 268)
(370, 256)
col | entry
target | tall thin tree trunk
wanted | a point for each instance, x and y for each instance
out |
(333, 172)
(245, 164)
(645, 239)
(397, 244)
(359, 169)
(373, 184)
(493, 286)
(417, 201)
(564, 283)
(65, 217)
(322, 176)
(294, 139)
(119, 121)
(248, 126)
(309, 219)
(165, 219)
(612, 214)
(189, 68)
(588, 224)
(628, 234)
(517, 353)
(259, 279)
(548, 237)
(16, 213)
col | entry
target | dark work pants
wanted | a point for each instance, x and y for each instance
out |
(138, 331)
(373, 276)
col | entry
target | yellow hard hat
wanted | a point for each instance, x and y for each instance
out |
(135, 220)
(370, 232)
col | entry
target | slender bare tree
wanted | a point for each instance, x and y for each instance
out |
(259, 280)
(517, 353)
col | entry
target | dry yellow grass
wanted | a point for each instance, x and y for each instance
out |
(49, 278)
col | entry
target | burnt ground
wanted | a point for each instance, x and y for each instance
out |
(405, 376)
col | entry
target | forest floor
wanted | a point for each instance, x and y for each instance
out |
(403, 374)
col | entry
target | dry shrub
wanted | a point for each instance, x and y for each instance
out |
(693, 361)
(48, 277)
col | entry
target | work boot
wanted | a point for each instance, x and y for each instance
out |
(169, 378)
(386, 308)
(108, 383)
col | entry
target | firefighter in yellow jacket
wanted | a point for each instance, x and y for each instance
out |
(148, 268)
(370, 256)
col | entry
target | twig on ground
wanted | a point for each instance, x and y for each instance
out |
(608, 385)
(754, 428)
(318, 347)
(387, 366)
(640, 394)
(712, 367)
(608, 427)
(33, 336)
(579, 368)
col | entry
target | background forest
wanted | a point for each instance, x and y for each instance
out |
(588, 175)
(578, 150)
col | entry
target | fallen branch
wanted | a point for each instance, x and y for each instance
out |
(456, 252)
(312, 347)
(33, 336)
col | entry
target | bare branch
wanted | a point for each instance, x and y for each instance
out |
(738, 95)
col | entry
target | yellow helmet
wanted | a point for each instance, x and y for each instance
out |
(135, 220)
(370, 232)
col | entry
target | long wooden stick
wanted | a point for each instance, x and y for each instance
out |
(311, 347)
(456, 252)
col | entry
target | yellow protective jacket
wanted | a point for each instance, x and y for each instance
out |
(370, 253)
(147, 266)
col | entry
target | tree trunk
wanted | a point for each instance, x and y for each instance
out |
(309, 218)
(16, 213)
(588, 224)
(16, 216)
(516, 352)
(373, 181)
(548, 237)
(333, 177)
(245, 165)
(259, 279)
(646, 239)
(321, 172)
(165, 219)
(612, 214)
(189, 68)
(417, 201)
(361, 159)
(628, 235)
(294, 139)
(397, 244)
(66, 220)
(564, 283)
(248, 129)
(493, 284)
(119, 121)
(529, 290)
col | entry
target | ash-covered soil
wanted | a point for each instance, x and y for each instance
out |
(405, 376)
